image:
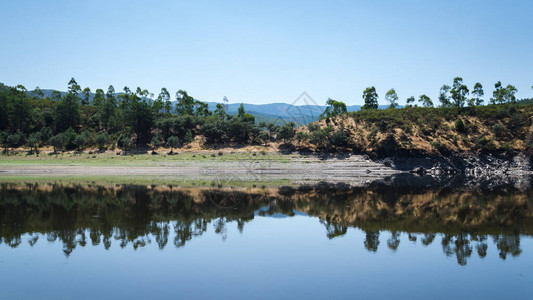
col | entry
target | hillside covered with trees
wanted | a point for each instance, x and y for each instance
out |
(77, 120)
(459, 124)
(80, 119)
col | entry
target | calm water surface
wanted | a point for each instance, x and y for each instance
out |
(85, 242)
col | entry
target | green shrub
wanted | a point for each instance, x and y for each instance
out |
(484, 143)
(58, 141)
(507, 147)
(339, 139)
(124, 142)
(319, 138)
(460, 126)
(188, 137)
(173, 142)
(499, 130)
(80, 141)
(312, 127)
(373, 132)
(101, 140)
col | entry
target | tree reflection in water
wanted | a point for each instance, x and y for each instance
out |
(140, 215)
(394, 241)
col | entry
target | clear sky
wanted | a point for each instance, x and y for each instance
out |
(268, 51)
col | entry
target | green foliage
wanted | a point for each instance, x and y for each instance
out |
(220, 111)
(333, 108)
(313, 127)
(339, 138)
(371, 98)
(173, 142)
(460, 126)
(248, 118)
(240, 111)
(302, 137)
(70, 135)
(80, 141)
(410, 101)
(503, 94)
(425, 101)
(34, 140)
(3, 140)
(392, 98)
(73, 87)
(124, 142)
(287, 132)
(188, 137)
(459, 92)
(185, 103)
(101, 140)
(237, 130)
(444, 96)
(264, 137)
(507, 147)
(320, 139)
(214, 129)
(156, 140)
(499, 130)
(67, 112)
(477, 92)
(373, 132)
(58, 141)
(15, 109)
(134, 117)
(15, 140)
(516, 118)
(201, 109)
(484, 143)
(86, 96)
(38, 92)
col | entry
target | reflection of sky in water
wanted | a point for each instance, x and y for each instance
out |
(171, 242)
(266, 211)
(272, 258)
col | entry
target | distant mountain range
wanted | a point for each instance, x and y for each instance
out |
(283, 112)
(277, 113)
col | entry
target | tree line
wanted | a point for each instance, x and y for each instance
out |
(125, 120)
(79, 119)
(502, 115)
(454, 96)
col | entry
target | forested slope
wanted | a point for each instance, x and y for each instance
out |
(80, 119)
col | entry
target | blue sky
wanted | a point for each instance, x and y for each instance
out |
(268, 51)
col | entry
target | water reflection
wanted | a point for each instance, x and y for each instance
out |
(464, 222)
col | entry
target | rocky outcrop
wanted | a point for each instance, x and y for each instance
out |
(472, 165)
(414, 183)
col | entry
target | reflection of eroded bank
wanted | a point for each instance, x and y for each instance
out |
(463, 222)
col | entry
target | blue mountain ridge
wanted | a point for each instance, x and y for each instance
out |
(271, 112)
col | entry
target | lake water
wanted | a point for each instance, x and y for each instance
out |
(416, 240)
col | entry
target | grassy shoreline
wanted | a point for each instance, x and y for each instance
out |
(111, 158)
(242, 169)
(21, 160)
